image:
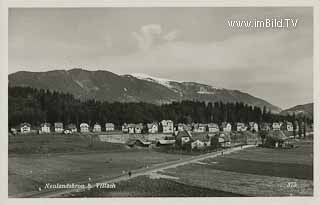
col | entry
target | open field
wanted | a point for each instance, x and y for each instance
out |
(251, 172)
(254, 172)
(143, 186)
(39, 170)
(76, 158)
(71, 159)
(58, 143)
(303, 154)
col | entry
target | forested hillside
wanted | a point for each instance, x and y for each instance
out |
(36, 106)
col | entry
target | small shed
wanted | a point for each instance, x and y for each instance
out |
(165, 142)
(138, 143)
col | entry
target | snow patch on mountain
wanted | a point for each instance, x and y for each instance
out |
(206, 92)
(161, 81)
(79, 83)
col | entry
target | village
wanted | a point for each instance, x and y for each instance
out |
(187, 136)
(138, 152)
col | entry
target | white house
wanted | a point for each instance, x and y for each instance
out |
(199, 127)
(265, 126)
(290, 126)
(131, 128)
(109, 127)
(25, 128)
(254, 127)
(241, 127)
(276, 126)
(58, 127)
(287, 126)
(125, 128)
(84, 127)
(213, 127)
(167, 126)
(45, 127)
(96, 127)
(180, 127)
(197, 144)
(224, 140)
(184, 137)
(14, 131)
(226, 127)
(72, 128)
(138, 128)
(152, 127)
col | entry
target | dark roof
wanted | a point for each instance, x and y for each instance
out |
(166, 142)
(71, 126)
(183, 133)
(25, 124)
(84, 124)
(139, 126)
(45, 124)
(149, 125)
(200, 136)
(212, 125)
(224, 124)
(109, 124)
(58, 124)
(131, 142)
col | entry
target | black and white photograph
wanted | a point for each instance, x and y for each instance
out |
(121, 102)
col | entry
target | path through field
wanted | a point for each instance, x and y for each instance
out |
(135, 173)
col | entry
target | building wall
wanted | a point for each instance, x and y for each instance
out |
(25, 129)
(58, 130)
(84, 129)
(45, 129)
(131, 130)
(153, 129)
(109, 128)
(168, 129)
(213, 129)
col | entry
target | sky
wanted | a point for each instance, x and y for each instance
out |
(185, 44)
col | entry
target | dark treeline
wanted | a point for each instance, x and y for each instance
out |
(37, 106)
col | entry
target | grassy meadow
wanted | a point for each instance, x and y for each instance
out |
(40, 159)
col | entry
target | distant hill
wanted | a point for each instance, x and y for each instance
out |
(108, 86)
(300, 110)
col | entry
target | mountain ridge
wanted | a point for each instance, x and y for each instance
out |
(300, 110)
(107, 86)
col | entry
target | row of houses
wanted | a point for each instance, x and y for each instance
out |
(288, 126)
(58, 127)
(167, 127)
